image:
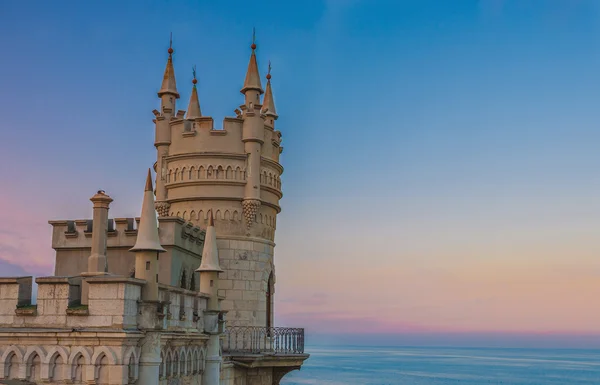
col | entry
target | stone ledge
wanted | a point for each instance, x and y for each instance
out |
(116, 279)
(27, 311)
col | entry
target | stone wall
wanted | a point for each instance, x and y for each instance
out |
(244, 283)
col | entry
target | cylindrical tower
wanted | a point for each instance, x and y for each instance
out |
(233, 172)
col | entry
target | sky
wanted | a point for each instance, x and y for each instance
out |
(441, 164)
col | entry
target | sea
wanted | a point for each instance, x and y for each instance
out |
(360, 365)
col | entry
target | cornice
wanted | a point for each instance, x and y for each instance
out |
(221, 198)
(272, 163)
(194, 155)
(198, 182)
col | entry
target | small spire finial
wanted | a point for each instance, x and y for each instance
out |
(148, 181)
(253, 46)
(171, 44)
(194, 81)
(269, 71)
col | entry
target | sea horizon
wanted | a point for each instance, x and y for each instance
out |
(429, 365)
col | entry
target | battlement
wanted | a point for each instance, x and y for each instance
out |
(190, 136)
(183, 241)
(113, 303)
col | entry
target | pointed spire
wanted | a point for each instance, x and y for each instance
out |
(268, 106)
(169, 85)
(193, 110)
(210, 253)
(252, 81)
(147, 236)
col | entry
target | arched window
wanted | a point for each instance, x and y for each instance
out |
(183, 283)
(33, 367)
(193, 282)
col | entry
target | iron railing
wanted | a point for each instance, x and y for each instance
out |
(256, 340)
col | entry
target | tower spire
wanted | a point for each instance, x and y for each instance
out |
(252, 81)
(210, 253)
(268, 105)
(169, 85)
(193, 110)
(147, 236)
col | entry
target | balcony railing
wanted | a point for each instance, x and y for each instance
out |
(256, 340)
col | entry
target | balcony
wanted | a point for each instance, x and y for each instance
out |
(262, 340)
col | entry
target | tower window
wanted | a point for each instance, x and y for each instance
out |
(147, 265)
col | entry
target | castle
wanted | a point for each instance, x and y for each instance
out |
(185, 297)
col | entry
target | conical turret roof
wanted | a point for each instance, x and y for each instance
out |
(268, 106)
(210, 253)
(147, 235)
(193, 110)
(169, 85)
(252, 81)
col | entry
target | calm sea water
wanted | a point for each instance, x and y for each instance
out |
(443, 366)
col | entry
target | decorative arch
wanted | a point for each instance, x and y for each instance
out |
(195, 361)
(79, 359)
(112, 357)
(183, 172)
(201, 355)
(12, 358)
(227, 215)
(200, 215)
(229, 173)
(218, 214)
(175, 174)
(189, 368)
(169, 364)
(11, 363)
(169, 176)
(176, 364)
(201, 172)
(33, 358)
(101, 369)
(220, 172)
(210, 174)
(184, 216)
(192, 173)
(238, 173)
(192, 215)
(236, 216)
(56, 359)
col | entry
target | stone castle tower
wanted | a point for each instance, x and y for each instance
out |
(233, 172)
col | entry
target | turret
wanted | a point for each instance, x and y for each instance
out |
(253, 137)
(193, 110)
(209, 268)
(147, 246)
(209, 283)
(97, 264)
(268, 106)
(168, 95)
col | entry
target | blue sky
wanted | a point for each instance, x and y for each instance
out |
(449, 146)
